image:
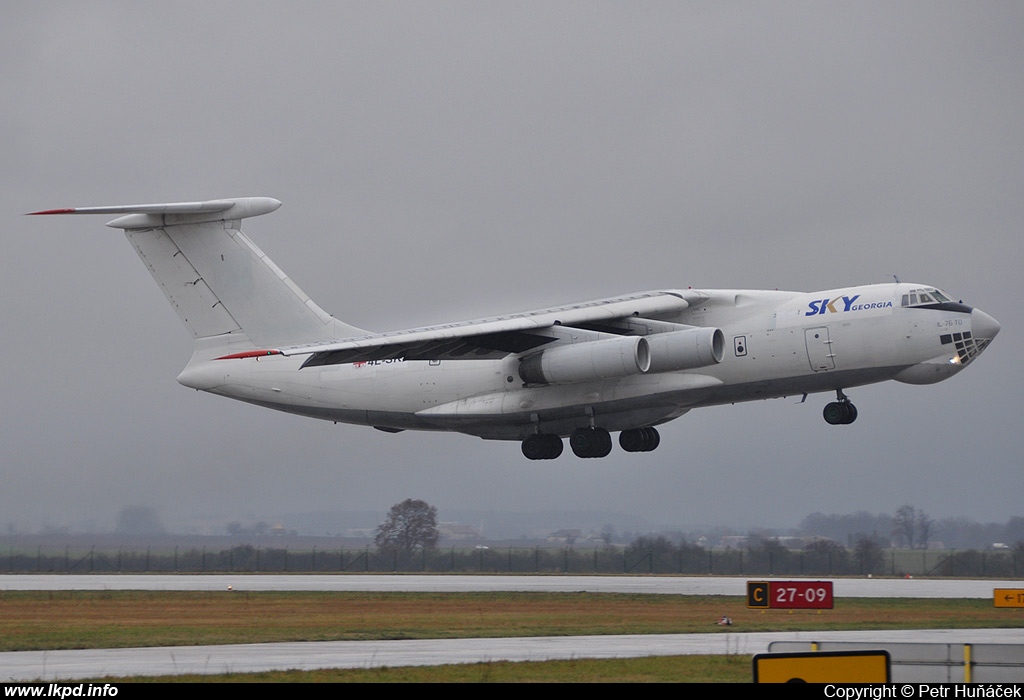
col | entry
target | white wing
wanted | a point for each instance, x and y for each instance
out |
(488, 338)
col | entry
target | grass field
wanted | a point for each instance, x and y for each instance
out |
(88, 619)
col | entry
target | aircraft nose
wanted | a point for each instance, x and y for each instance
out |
(984, 326)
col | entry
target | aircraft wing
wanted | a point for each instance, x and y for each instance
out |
(490, 338)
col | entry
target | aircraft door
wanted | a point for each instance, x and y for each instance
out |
(819, 349)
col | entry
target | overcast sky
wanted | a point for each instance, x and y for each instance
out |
(448, 160)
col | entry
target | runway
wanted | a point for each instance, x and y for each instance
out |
(248, 658)
(663, 585)
(251, 658)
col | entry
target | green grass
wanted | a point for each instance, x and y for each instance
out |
(109, 619)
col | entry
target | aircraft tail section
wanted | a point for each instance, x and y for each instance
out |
(219, 282)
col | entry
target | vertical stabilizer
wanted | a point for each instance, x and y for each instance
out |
(218, 281)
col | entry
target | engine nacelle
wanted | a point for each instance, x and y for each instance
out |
(587, 361)
(689, 349)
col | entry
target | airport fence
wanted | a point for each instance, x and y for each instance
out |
(517, 560)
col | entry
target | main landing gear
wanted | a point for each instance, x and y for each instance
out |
(639, 439)
(590, 443)
(840, 412)
(542, 446)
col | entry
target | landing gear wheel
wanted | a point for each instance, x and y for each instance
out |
(542, 446)
(653, 439)
(590, 442)
(853, 412)
(639, 439)
(632, 440)
(840, 413)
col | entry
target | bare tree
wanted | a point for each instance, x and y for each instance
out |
(867, 551)
(924, 528)
(911, 527)
(904, 525)
(411, 524)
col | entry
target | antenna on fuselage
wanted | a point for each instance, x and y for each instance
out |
(896, 278)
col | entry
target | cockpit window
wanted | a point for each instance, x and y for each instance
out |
(919, 297)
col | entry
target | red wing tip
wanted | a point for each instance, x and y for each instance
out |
(51, 211)
(249, 353)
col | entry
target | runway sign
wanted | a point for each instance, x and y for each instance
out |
(1008, 597)
(789, 594)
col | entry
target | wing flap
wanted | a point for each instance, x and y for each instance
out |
(481, 347)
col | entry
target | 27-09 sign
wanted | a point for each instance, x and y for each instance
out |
(789, 594)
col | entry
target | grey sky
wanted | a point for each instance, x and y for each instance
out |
(448, 160)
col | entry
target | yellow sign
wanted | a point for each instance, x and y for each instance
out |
(1008, 597)
(822, 667)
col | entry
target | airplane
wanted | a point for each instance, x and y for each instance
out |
(580, 371)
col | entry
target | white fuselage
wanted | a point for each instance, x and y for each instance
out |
(776, 344)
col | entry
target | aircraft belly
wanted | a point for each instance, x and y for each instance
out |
(766, 388)
(670, 389)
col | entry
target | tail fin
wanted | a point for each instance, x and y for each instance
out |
(219, 282)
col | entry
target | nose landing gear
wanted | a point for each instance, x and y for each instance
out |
(840, 412)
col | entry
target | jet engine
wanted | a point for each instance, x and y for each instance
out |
(587, 361)
(624, 356)
(688, 349)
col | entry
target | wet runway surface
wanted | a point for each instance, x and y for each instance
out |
(248, 658)
(665, 585)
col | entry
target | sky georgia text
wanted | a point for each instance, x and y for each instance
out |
(821, 306)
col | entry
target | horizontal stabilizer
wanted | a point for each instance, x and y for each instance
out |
(176, 213)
